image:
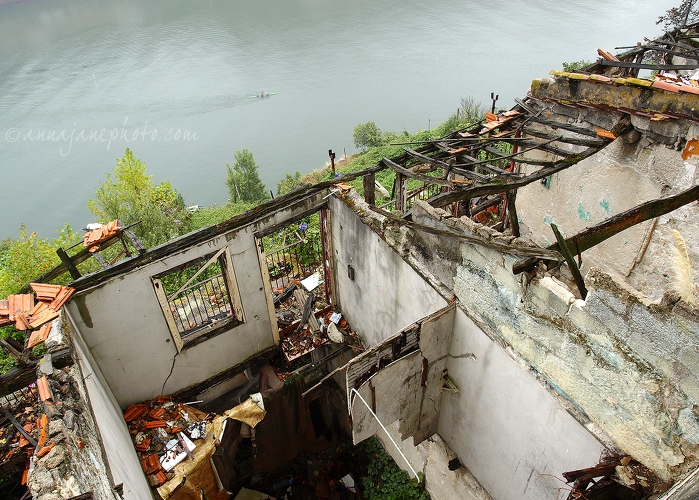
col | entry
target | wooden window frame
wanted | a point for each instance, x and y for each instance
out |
(186, 340)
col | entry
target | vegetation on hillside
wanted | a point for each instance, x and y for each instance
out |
(130, 195)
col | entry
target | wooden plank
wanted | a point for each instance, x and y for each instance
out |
(484, 165)
(570, 260)
(19, 377)
(432, 161)
(135, 240)
(443, 199)
(19, 427)
(659, 67)
(564, 126)
(100, 259)
(68, 263)
(568, 140)
(472, 238)
(594, 235)
(401, 182)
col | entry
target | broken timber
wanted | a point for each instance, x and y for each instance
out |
(473, 239)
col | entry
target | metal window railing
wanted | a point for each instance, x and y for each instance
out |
(201, 304)
(293, 261)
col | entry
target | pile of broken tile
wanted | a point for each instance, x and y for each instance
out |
(15, 448)
(34, 311)
(164, 433)
(94, 237)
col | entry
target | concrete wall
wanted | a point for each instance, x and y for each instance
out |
(116, 440)
(631, 366)
(386, 294)
(123, 325)
(510, 432)
(642, 165)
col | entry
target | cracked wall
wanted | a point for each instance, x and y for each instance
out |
(124, 328)
(644, 164)
(630, 365)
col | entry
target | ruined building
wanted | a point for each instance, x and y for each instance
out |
(526, 300)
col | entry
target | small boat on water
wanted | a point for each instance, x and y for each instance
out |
(262, 94)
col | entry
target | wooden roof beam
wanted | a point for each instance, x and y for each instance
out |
(443, 199)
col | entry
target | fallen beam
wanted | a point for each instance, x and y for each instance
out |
(594, 235)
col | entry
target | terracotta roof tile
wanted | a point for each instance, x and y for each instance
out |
(44, 317)
(38, 336)
(44, 389)
(65, 293)
(45, 291)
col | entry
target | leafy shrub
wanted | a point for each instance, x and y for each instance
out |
(575, 66)
(367, 135)
(385, 480)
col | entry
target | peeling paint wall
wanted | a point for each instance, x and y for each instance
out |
(629, 365)
(503, 423)
(123, 325)
(644, 164)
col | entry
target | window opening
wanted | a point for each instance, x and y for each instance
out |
(295, 258)
(199, 296)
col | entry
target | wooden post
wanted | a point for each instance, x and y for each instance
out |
(370, 188)
(75, 274)
(512, 212)
(401, 192)
(332, 159)
(570, 260)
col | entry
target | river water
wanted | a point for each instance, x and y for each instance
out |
(81, 80)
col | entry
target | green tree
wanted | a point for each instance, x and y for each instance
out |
(29, 256)
(367, 135)
(678, 17)
(243, 180)
(289, 183)
(130, 195)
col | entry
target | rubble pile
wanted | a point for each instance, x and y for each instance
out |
(614, 477)
(164, 433)
(29, 311)
(63, 464)
(15, 448)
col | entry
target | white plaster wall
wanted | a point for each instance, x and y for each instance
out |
(504, 425)
(622, 176)
(586, 194)
(386, 294)
(119, 449)
(124, 327)
(125, 330)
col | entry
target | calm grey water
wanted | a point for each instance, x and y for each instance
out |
(170, 79)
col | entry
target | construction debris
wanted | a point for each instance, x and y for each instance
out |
(164, 434)
(614, 477)
(29, 311)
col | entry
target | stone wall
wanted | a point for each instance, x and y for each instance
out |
(70, 460)
(628, 364)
